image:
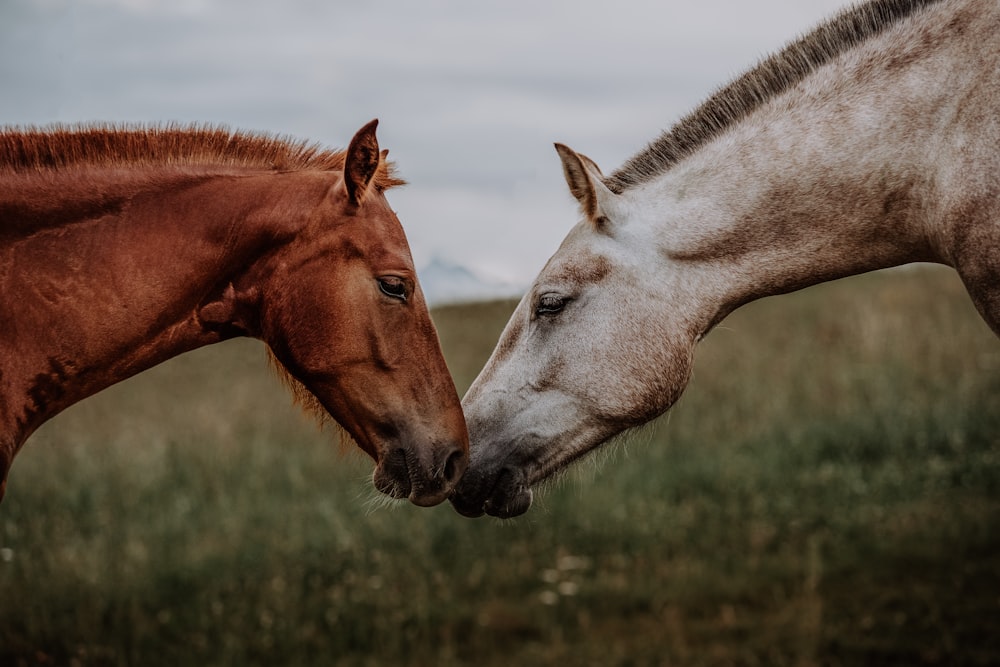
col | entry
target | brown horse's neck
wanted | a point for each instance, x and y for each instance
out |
(95, 288)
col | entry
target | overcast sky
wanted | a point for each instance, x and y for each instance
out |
(470, 94)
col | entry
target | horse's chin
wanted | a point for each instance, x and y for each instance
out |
(507, 507)
(393, 479)
(507, 497)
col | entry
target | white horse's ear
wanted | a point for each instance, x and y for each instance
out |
(586, 183)
(591, 165)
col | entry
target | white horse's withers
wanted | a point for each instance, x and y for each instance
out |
(871, 142)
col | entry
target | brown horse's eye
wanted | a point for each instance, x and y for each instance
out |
(393, 286)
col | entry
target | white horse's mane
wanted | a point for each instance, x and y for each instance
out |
(767, 79)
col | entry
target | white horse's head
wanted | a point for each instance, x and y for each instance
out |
(601, 342)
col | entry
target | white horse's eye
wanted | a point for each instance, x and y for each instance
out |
(550, 304)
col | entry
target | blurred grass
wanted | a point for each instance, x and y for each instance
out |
(827, 492)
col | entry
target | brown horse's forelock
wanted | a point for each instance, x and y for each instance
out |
(63, 146)
(770, 78)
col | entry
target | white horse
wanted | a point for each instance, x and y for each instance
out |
(871, 142)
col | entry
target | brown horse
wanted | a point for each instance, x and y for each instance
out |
(121, 248)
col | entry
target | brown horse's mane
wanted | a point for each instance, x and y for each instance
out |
(769, 78)
(61, 146)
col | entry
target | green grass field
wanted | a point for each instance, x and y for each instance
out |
(827, 492)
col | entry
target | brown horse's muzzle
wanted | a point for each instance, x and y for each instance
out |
(425, 476)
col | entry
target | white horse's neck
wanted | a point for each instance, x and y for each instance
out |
(814, 186)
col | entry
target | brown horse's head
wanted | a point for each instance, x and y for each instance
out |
(339, 305)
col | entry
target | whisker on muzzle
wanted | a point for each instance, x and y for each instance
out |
(374, 500)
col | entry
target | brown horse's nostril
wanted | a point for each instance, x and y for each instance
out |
(433, 485)
(454, 467)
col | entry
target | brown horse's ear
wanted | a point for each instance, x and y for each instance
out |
(586, 184)
(362, 162)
